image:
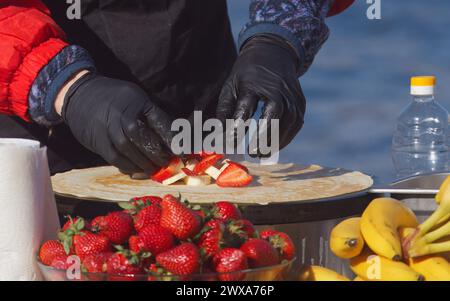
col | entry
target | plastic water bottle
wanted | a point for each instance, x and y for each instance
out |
(421, 138)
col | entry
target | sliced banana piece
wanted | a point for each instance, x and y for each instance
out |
(173, 179)
(190, 164)
(213, 172)
(202, 180)
(225, 165)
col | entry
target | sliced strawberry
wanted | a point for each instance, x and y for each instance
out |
(207, 162)
(188, 172)
(166, 172)
(240, 165)
(234, 176)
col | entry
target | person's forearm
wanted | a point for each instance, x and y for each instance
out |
(51, 80)
(29, 40)
(59, 101)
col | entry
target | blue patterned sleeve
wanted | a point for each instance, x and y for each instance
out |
(51, 79)
(300, 22)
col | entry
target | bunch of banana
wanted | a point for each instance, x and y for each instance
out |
(373, 243)
(378, 228)
(433, 235)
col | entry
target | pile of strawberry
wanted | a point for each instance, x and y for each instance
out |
(165, 237)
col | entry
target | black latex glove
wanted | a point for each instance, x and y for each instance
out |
(117, 120)
(266, 70)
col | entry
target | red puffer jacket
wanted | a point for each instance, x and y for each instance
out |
(29, 39)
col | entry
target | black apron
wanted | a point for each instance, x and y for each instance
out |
(179, 51)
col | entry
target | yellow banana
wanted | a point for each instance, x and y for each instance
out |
(380, 223)
(444, 190)
(442, 214)
(437, 234)
(346, 240)
(433, 268)
(357, 278)
(317, 273)
(427, 245)
(436, 227)
(419, 247)
(373, 267)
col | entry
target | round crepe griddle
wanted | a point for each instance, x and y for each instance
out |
(272, 184)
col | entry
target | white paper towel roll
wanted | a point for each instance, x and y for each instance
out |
(28, 213)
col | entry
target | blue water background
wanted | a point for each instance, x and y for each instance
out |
(359, 82)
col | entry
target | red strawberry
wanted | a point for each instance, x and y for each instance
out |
(49, 250)
(96, 221)
(135, 244)
(60, 262)
(242, 228)
(89, 243)
(215, 224)
(150, 215)
(96, 263)
(154, 239)
(225, 210)
(266, 234)
(155, 271)
(77, 222)
(206, 162)
(117, 226)
(182, 221)
(280, 241)
(260, 253)
(124, 265)
(144, 212)
(72, 228)
(234, 176)
(166, 172)
(181, 260)
(229, 261)
(212, 239)
(201, 213)
(238, 231)
(146, 200)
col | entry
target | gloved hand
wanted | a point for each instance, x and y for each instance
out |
(266, 70)
(117, 120)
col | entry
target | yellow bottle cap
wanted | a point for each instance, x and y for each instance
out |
(423, 81)
(422, 85)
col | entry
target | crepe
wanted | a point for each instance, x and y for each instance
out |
(271, 184)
